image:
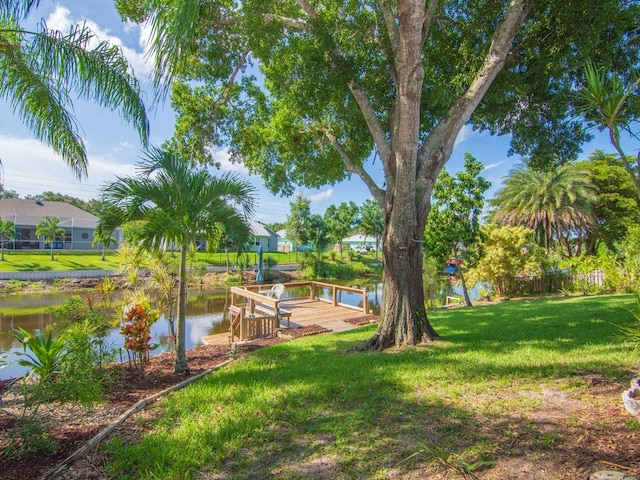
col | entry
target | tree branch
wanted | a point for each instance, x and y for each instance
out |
(373, 122)
(308, 9)
(289, 22)
(429, 16)
(437, 148)
(390, 22)
(351, 166)
(233, 76)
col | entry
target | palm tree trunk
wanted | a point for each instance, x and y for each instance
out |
(181, 353)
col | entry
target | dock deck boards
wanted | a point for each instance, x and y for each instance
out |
(305, 312)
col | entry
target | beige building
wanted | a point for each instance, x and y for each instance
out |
(78, 224)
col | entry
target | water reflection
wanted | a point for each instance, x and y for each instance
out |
(206, 315)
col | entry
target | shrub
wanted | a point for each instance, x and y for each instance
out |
(269, 262)
(136, 329)
(30, 437)
(83, 378)
(233, 280)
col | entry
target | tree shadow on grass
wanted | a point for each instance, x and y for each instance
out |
(312, 409)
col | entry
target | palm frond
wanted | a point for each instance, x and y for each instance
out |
(172, 28)
(39, 68)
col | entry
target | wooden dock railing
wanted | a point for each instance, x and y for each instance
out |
(253, 313)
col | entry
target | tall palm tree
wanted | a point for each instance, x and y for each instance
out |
(611, 101)
(49, 228)
(39, 68)
(7, 232)
(555, 204)
(176, 204)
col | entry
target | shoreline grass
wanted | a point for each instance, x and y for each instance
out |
(313, 408)
(40, 260)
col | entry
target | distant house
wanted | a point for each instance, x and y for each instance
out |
(263, 237)
(78, 224)
(355, 242)
(284, 244)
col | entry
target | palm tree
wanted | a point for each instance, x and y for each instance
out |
(7, 232)
(39, 68)
(49, 228)
(553, 203)
(105, 239)
(611, 101)
(176, 204)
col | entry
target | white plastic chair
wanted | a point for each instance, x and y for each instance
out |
(277, 291)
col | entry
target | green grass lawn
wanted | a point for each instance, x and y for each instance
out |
(40, 260)
(315, 408)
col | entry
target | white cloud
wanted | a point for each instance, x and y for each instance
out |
(226, 165)
(317, 197)
(464, 134)
(31, 167)
(61, 19)
(122, 146)
(492, 165)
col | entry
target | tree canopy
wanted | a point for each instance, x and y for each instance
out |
(343, 81)
(556, 204)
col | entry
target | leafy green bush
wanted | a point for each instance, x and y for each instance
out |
(29, 436)
(41, 354)
(83, 378)
(269, 262)
(233, 280)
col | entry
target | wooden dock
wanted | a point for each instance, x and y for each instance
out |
(304, 312)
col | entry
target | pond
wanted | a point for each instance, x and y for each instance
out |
(206, 315)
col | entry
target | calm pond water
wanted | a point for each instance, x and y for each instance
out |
(206, 315)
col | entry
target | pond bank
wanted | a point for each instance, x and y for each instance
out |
(77, 284)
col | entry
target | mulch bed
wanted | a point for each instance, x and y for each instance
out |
(72, 427)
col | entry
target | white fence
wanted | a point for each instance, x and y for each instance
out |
(51, 274)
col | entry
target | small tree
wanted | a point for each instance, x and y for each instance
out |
(340, 221)
(372, 221)
(298, 221)
(7, 232)
(105, 239)
(49, 229)
(454, 222)
(318, 236)
(509, 251)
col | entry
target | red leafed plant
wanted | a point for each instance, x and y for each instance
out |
(136, 328)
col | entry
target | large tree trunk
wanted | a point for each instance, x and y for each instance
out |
(403, 319)
(180, 364)
(411, 169)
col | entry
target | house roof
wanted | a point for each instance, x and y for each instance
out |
(259, 230)
(29, 212)
(358, 239)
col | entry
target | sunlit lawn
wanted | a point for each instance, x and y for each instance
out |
(28, 260)
(316, 405)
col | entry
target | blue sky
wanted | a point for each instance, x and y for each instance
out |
(113, 147)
